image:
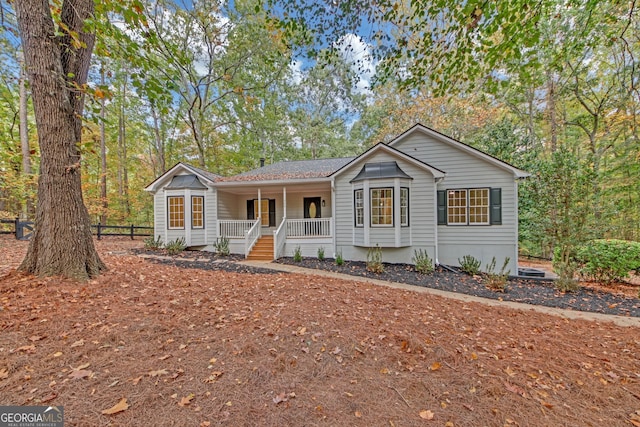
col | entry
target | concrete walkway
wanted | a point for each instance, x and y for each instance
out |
(569, 314)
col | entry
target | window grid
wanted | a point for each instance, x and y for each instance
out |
(176, 212)
(479, 206)
(197, 212)
(404, 206)
(457, 206)
(359, 208)
(381, 207)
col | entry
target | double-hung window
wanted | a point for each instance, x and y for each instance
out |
(197, 212)
(381, 207)
(468, 206)
(358, 201)
(404, 207)
(176, 212)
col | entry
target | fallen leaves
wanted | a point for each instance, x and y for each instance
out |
(122, 405)
(4, 373)
(158, 373)
(186, 400)
(283, 397)
(426, 414)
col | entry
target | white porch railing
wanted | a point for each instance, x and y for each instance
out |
(234, 228)
(279, 238)
(252, 237)
(309, 227)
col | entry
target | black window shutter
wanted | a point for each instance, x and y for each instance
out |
(442, 207)
(495, 213)
(250, 213)
(272, 213)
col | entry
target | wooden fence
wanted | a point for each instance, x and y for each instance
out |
(23, 229)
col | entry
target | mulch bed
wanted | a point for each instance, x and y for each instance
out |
(529, 291)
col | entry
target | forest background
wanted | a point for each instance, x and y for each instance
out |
(553, 91)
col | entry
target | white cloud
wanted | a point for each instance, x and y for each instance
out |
(358, 55)
(295, 72)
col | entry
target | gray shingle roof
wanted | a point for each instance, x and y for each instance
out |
(209, 175)
(296, 169)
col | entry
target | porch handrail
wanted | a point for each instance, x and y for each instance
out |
(309, 227)
(234, 228)
(279, 238)
(252, 237)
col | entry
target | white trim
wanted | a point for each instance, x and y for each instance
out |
(437, 173)
(187, 214)
(223, 184)
(395, 194)
(154, 186)
(367, 208)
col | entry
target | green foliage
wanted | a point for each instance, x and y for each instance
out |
(152, 243)
(497, 281)
(469, 264)
(608, 261)
(176, 246)
(321, 253)
(374, 260)
(297, 254)
(222, 246)
(422, 262)
(339, 259)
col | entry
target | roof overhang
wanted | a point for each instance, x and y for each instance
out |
(380, 147)
(173, 171)
(281, 182)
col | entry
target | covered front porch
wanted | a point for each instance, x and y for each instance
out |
(271, 221)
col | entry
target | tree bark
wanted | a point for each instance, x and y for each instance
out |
(24, 135)
(103, 155)
(57, 67)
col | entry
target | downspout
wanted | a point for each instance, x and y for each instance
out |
(435, 219)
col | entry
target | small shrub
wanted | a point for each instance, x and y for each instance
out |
(153, 244)
(176, 246)
(222, 246)
(339, 259)
(297, 254)
(608, 261)
(497, 281)
(422, 262)
(469, 265)
(566, 281)
(321, 253)
(374, 260)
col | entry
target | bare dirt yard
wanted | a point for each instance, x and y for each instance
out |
(154, 344)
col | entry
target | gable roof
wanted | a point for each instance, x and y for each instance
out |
(179, 167)
(518, 173)
(437, 173)
(296, 169)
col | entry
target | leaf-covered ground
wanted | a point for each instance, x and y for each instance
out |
(154, 344)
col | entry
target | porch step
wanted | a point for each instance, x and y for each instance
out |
(262, 250)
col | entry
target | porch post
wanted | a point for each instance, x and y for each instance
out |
(259, 207)
(284, 201)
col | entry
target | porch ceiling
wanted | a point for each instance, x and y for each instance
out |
(277, 188)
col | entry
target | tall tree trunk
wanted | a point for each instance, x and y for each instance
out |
(551, 111)
(122, 149)
(24, 135)
(62, 243)
(159, 143)
(103, 155)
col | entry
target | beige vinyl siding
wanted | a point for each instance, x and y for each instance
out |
(228, 206)
(421, 230)
(210, 216)
(464, 171)
(159, 215)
